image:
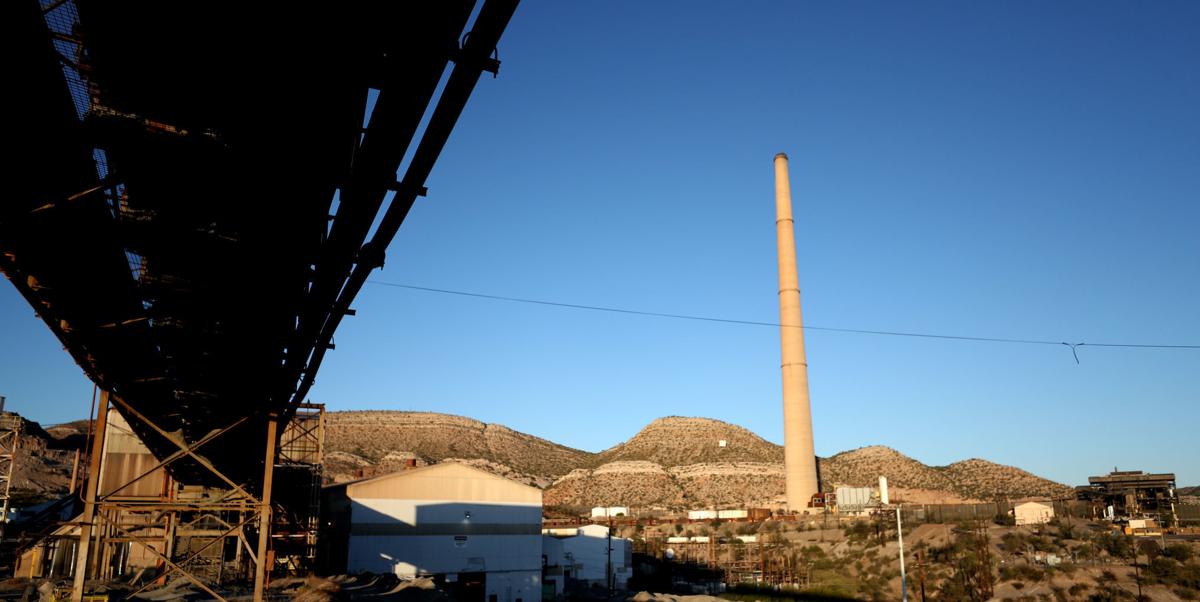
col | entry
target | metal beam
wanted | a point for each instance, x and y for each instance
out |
(89, 505)
(264, 513)
(475, 53)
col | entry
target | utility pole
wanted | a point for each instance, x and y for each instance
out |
(900, 540)
(921, 569)
(608, 574)
(1137, 575)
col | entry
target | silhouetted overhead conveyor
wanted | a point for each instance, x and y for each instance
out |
(170, 209)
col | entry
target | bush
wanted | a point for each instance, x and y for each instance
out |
(1149, 549)
(858, 531)
(1013, 542)
(1066, 532)
(1004, 519)
(1023, 572)
(1117, 545)
(1164, 570)
(1178, 551)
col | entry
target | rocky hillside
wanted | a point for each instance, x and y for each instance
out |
(863, 466)
(365, 439)
(679, 441)
(673, 462)
(969, 479)
(983, 479)
(42, 464)
(697, 472)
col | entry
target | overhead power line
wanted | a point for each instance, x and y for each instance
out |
(655, 314)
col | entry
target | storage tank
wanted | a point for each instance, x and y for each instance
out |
(883, 492)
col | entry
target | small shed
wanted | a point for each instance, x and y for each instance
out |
(1033, 513)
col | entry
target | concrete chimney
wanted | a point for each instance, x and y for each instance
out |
(800, 462)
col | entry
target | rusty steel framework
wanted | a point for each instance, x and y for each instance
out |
(199, 194)
(759, 563)
(208, 535)
(10, 437)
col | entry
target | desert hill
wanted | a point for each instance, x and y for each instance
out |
(42, 464)
(680, 441)
(363, 439)
(861, 468)
(676, 462)
(697, 471)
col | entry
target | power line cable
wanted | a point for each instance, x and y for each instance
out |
(895, 333)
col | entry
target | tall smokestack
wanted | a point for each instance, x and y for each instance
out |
(800, 464)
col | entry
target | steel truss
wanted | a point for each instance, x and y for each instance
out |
(190, 531)
(10, 434)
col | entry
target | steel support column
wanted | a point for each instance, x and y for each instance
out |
(264, 512)
(91, 491)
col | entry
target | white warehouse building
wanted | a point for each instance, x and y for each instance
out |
(477, 534)
(586, 557)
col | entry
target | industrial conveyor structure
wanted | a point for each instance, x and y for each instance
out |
(193, 202)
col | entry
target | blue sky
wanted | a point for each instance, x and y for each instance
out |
(1019, 169)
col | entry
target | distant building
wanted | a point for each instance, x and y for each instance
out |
(1033, 513)
(854, 499)
(1132, 494)
(610, 511)
(585, 557)
(477, 534)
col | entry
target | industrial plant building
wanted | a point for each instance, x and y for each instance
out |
(585, 557)
(476, 534)
(1132, 494)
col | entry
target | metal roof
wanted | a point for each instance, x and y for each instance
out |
(170, 211)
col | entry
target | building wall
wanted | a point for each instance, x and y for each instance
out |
(586, 557)
(426, 537)
(514, 586)
(446, 521)
(1032, 513)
